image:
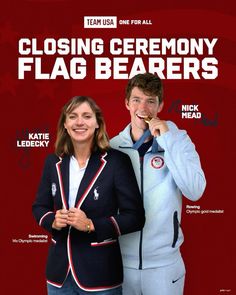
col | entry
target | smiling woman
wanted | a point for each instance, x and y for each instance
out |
(81, 121)
(81, 125)
(88, 196)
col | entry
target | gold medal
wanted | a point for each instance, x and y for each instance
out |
(147, 119)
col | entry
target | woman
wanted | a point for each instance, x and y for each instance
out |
(87, 198)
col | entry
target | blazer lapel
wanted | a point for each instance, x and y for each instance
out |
(63, 177)
(94, 168)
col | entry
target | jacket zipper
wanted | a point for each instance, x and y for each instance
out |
(141, 232)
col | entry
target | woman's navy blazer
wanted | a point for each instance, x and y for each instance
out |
(110, 197)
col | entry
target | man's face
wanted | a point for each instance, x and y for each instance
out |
(141, 105)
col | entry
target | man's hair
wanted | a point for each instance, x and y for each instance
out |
(149, 83)
(63, 145)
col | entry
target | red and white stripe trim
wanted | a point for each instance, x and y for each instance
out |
(104, 243)
(41, 219)
(115, 225)
(59, 285)
(53, 241)
(58, 164)
(54, 284)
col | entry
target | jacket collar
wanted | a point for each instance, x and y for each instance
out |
(62, 167)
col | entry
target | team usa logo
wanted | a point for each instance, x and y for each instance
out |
(157, 162)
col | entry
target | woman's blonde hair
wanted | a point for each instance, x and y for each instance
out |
(63, 145)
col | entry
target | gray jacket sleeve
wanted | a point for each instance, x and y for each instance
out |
(183, 162)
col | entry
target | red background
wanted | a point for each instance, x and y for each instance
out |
(33, 106)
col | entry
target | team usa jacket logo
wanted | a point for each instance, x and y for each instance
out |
(157, 162)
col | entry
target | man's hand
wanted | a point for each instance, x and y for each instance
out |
(157, 127)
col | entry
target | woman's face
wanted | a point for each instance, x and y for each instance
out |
(81, 124)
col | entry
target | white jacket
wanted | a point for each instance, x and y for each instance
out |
(170, 168)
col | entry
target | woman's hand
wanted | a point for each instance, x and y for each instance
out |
(60, 220)
(78, 219)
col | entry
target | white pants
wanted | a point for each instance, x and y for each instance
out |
(165, 280)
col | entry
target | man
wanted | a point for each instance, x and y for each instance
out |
(167, 166)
